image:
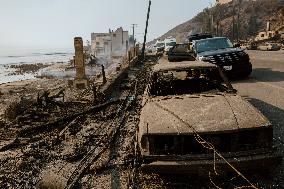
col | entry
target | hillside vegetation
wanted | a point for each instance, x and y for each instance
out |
(239, 19)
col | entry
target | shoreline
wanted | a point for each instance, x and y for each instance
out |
(10, 73)
(14, 91)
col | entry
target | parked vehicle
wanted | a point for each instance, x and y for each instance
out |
(187, 112)
(159, 47)
(269, 47)
(252, 46)
(169, 43)
(149, 49)
(220, 51)
(180, 52)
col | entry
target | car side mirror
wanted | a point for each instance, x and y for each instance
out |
(237, 45)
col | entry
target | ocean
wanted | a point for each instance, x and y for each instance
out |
(35, 57)
(13, 58)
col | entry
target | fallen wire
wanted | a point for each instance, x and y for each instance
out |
(238, 125)
(213, 182)
(208, 145)
(94, 153)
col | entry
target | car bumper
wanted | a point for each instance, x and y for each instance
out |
(203, 165)
(239, 70)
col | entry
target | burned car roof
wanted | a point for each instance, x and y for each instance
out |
(185, 65)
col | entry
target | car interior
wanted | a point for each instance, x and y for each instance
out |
(192, 81)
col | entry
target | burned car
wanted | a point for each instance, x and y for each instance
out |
(186, 104)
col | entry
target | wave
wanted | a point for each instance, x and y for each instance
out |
(13, 56)
(38, 54)
(36, 57)
(51, 54)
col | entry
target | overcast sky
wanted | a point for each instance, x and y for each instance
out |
(46, 24)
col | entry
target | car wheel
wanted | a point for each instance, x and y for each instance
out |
(248, 71)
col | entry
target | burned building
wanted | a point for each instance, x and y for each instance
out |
(114, 43)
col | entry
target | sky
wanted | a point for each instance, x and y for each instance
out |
(52, 24)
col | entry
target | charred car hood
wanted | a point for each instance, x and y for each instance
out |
(205, 113)
(219, 52)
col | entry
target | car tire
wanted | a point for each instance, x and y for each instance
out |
(248, 71)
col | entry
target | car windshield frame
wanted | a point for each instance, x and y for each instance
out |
(212, 44)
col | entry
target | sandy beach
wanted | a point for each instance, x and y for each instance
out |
(13, 92)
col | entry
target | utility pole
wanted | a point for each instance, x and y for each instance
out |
(204, 26)
(211, 19)
(212, 22)
(133, 33)
(217, 19)
(238, 23)
(233, 22)
(146, 30)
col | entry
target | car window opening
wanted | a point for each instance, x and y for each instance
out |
(186, 82)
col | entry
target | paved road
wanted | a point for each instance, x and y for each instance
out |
(264, 89)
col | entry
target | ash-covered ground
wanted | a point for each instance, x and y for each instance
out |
(83, 142)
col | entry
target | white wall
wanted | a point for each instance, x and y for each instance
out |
(120, 42)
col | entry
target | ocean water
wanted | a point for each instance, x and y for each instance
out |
(20, 57)
(35, 57)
